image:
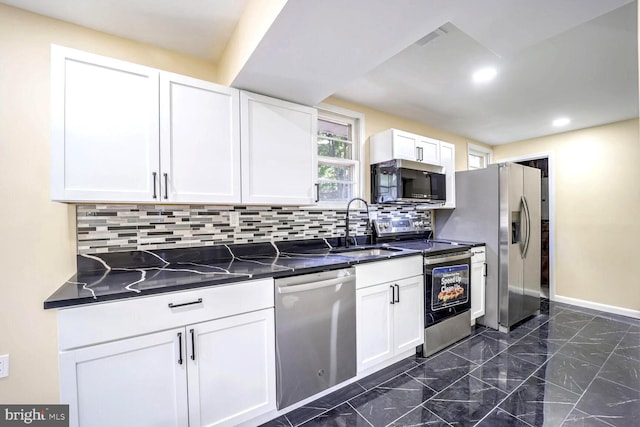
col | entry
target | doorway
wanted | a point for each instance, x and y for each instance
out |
(542, 163)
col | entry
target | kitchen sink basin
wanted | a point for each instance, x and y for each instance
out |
(364, 252)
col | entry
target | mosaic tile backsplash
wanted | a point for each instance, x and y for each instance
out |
(115, 228)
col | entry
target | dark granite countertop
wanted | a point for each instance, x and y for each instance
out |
(120, 275)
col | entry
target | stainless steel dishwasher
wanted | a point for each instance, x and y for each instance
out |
(315, 333)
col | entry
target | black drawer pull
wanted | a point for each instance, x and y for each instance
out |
(397, 293)
(172, 305)
(193, 344)
(393, 294)
(180, 347)
(155, 196)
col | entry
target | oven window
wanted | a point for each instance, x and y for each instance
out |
(450, 286)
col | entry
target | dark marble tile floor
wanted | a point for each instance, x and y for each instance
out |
(569, 366)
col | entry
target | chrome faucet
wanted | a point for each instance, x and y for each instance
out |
(346, 221)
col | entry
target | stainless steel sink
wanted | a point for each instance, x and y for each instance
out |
(364, 252)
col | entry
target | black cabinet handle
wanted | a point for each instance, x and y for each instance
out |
(172, 305)
(393, 294)
(485, 269)
(166, 186)
(317, 193)
(155, 195)
(397, 293)
(193, 344)
(180, 348)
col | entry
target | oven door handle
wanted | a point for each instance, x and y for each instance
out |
(443, 259)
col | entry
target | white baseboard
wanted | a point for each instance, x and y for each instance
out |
(597, 306)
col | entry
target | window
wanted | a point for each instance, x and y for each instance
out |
(339, 136)
(478, 157)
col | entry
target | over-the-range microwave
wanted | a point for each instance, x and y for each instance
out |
(407, 181)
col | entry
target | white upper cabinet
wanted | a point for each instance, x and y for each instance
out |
(122, 132)
(104, 116)
(278, 142)
(199, 141)
(398, 144)
(448, 160)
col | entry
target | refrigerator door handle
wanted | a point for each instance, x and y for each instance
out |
(528, 228)
(523, 227)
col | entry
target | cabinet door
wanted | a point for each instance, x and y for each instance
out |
(428, 150)
(132, 382)
(231, 369)
(448, 160)
(409, 314)
(405, 145)
(104, 118)
(478, 280)
(199, 141)
(477, 286)
(374, 325)
(278, 141)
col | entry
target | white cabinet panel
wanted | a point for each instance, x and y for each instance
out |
(278, 140)
(390, 320)
(104, 116)
(232, 372)
(409, 313)
(478, 282)
(199, 140)
(428, 150)
(397, 144)
(405, 146)
(374, 325)
(132, 382)
(448, 160)
(122, 132)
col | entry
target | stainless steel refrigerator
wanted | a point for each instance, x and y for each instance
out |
(500, 206)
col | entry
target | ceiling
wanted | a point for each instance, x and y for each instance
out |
(574, 58)
(200, 28)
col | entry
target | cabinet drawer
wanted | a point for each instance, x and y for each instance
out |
(96, 323)
(479, 254)
(388, 270)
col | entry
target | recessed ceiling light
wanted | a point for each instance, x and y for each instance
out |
(484, 75)
(563, 121)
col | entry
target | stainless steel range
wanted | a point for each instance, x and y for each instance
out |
(447, 280)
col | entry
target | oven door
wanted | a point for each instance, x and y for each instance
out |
(447, 280)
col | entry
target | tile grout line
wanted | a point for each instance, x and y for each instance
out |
(364, 390)
(359, 414)
(529, 377)
(594, 378)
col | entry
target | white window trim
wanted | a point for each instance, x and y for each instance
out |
(479, 150)
(358, 130)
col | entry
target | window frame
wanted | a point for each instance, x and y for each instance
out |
(356, 120)
(479, 151)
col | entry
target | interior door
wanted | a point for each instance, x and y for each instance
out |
(531, 261)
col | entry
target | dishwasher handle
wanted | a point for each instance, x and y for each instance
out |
(315, 285)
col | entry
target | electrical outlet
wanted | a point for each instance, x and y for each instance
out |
(234, 219)
(4, 366)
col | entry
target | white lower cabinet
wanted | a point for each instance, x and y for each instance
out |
(131, 382)
(478, 281)
(214, 373)
(390, 315)
(231, 379)
(212, 364)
